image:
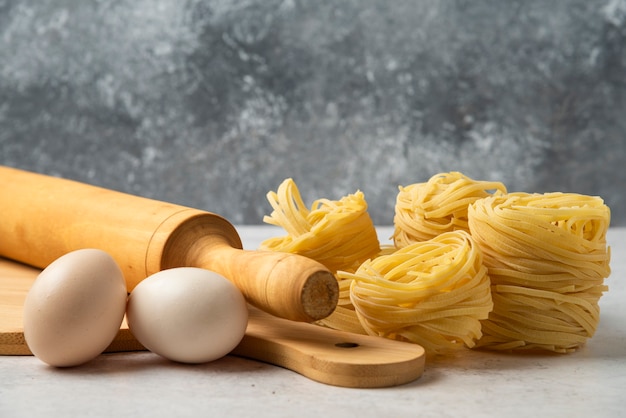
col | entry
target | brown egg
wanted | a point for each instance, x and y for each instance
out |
(75, 308)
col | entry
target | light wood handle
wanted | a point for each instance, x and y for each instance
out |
(330, 356)
(44, 217)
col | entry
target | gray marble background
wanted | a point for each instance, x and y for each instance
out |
(211, 104)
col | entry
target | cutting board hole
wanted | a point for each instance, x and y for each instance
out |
(346, 345)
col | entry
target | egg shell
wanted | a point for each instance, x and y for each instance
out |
(187, 314)
(75, 308)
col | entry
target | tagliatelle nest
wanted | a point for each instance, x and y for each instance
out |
(425, 210)
(338, 234)
(433, 293)
(547, 257)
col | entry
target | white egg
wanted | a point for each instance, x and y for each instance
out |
(187, 314)
(75, 308)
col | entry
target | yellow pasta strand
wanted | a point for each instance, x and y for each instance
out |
(425, 210)
(433, 293)
(547, 258)
(339, 234)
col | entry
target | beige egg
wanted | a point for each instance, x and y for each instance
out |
(187, 314)
(75, 308)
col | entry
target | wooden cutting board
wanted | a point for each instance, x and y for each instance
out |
(324, 355)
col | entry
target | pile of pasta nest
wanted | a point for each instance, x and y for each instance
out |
(471, 265)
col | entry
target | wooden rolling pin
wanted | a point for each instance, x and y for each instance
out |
(44, 217)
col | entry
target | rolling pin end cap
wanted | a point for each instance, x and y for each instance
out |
(320, 295)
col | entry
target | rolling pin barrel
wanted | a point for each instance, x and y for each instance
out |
(44, 217)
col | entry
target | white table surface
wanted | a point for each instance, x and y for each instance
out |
(588, 383)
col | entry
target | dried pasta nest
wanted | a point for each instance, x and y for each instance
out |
(425, 210)
(337, 233)
(471, 265)
(547, 258)
(433, 293)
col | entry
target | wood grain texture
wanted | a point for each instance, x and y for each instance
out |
(45, 217)
(321, 354)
